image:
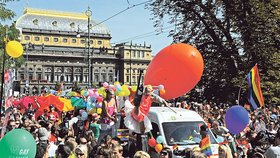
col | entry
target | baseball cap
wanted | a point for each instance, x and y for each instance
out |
(43, 134)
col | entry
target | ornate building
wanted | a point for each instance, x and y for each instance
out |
(67, 47)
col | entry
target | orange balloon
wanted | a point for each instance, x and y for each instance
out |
(162, 92)
(158, 148)
(178, 67)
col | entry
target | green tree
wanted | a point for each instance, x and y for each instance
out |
(231, 35)
(12, 34)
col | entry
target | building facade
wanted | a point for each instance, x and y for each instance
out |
(67, 47)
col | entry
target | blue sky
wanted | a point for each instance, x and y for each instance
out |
(126, 26)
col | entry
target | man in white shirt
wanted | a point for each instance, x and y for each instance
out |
(274, 151)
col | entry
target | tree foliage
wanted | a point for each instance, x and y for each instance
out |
(232, 35)
(8, 33)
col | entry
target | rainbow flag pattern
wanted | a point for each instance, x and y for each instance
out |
(205, 146)
(255, 96)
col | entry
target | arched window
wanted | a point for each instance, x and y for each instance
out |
(54, 23)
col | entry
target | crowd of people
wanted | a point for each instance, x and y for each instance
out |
(66, 134)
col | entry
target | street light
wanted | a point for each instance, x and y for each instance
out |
(88, 14)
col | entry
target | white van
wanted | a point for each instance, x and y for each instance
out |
(179, 127)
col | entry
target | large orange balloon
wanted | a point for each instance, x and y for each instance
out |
(177, 67)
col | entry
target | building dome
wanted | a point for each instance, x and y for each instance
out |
(58, 21)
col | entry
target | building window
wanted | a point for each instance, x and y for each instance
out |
(77, 78)
(142, 54)
(27, 38)
(138, 54)
(83, 41)
(103, 78)
(35, 21)
(91, 41)
(74, 40)
(110, 78)
(47, 39)
(21, 76)
(30, 77)
(39, 77)
(37, 38)
(85, 78)
(127, 78)
(49, 77)
(133, 79)
(54, 23)
(127, 70)
(55, 39)
(96, 78)
(134, 54)
(72, 25)
(99, 42)
(65, 40)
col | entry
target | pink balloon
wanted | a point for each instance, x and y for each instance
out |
(90, 92)
(95, 94)
(105, 84)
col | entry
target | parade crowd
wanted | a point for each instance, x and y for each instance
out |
(61, 134)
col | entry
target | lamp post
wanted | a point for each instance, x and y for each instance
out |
(88, 14)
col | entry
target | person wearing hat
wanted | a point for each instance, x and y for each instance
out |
(136, 119)
(43, 135)
(94, 126)
(274, 151)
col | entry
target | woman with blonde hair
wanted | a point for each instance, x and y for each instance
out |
(224, 151)
(141, 154)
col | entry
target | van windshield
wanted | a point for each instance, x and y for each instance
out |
(184, 133)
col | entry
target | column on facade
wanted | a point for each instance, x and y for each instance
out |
(82, 74)
(53, 74)
(34, 72)
(107, 74)
(100, 74)
(72, 76)
(43, 74)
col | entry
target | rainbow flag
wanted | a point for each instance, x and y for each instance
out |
(255, 96)
(205, 146)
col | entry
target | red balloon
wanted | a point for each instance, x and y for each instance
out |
(152, 142)
(99, 99)
(177, 67)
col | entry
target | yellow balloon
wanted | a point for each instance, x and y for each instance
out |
(99, 110)
(116, 83)
(14, 49)
(121, 94)
(133, 88)
(126, 93)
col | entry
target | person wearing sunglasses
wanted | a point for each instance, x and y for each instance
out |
(165, 153)
(80, 152)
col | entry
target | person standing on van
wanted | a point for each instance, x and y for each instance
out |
(205, 143)
(136, 116)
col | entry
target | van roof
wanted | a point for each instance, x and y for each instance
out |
(165, 114)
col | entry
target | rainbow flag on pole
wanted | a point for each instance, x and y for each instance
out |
(255, 96)
(205, 146)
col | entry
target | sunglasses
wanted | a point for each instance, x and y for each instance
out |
(164, 153)
(80, 154)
